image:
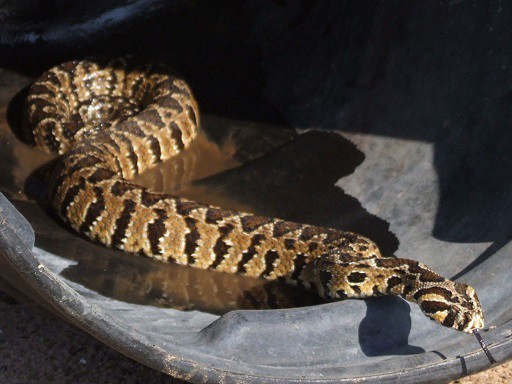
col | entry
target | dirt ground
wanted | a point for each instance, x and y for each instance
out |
(36, 347)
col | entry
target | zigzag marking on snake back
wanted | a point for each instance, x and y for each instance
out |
(112, 122)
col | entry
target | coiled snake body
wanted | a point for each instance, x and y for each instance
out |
(112, 122)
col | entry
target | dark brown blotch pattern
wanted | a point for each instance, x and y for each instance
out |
(221, 248)
(214, 215)
(94, 210)
(191, 239)
(270, 257)
(70, 195)
(282, 228)
(250, 253)
(185, 207)
(119, 188)
(250, 223)
(164, 117)
(122, 223)
(156, 231)
(445, 293)
(356, 277)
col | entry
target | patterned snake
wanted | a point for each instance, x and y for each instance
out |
(109, 123)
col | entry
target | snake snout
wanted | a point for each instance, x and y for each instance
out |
(463, 312)
(453, 305)
(470, 315)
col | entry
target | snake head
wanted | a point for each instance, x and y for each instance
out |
(453, 305)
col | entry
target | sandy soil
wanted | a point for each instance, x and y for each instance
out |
(36, 347)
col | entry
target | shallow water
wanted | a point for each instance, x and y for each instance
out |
(135, 279)
(236, 165)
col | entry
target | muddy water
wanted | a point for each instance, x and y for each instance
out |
(132, 278)
(237, 165)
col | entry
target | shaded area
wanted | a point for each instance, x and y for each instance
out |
(376, 68)
(14, 113)
(384, 69)
(203, 43)
(385, 329)
(359, 60)
(297, 183)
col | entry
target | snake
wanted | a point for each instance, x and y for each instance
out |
(108, 122)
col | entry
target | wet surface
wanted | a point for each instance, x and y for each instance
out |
(139, 280)
(241, 166)
(132, 278)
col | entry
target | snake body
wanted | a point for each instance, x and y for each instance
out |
(111, 122)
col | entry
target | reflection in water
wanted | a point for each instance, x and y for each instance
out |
(295, 180)
(141, 281)
(221, 145)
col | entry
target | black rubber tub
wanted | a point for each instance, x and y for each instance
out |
(391, 119)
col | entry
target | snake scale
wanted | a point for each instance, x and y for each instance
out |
(111, 122)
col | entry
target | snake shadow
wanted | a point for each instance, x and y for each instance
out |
(386, 327)
(14, 114)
